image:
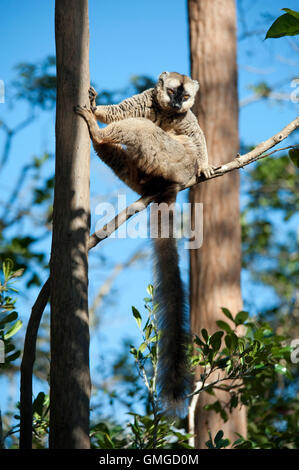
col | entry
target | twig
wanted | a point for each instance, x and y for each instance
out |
(37, 310)
(213, 384)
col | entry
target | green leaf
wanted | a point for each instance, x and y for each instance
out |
(153, 339)
(137, 316)
(285, 25)
(9, 318)
(222, 443)
(218, 436)
(198, 341)
(292, 12)
(13, 357)
(148, 331)
(241, 317)
(108, 442)
(205, 335)
(231, 341)
(150, 290)
(215, 340)
(227, 313)
(7, 267)
(209, 443)
(294, 156)
(234, 401)
(142, 347)
(13, 330)
(224, 326)
(133, 350)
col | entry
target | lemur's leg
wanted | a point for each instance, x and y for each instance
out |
(115, 133)
(113, 154)
(147, 147)
(96, 133)
(152, 150)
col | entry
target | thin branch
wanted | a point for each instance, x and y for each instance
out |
(210, 385)
(10, 133)
(27, 366)
(256, 154)
(275, 96)
(121, 218)
(142, 203)
(7, 206)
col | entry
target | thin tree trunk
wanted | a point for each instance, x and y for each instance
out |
(27, 366)
(215, 267)
(69, 373)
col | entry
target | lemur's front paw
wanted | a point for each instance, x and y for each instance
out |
(207, 171)
(92, 97)
(83, 111)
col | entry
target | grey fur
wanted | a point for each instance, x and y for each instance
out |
(154, 144)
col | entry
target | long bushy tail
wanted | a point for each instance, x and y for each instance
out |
(173, 372)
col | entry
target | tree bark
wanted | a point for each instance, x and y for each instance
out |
(69, 373)
(215, 267)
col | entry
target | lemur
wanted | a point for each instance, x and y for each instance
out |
(154, 144)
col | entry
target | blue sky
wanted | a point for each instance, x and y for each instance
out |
(132, 38)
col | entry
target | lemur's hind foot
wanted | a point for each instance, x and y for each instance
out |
(96, 134)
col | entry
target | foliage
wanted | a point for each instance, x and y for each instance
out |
(40, 425)
(255, 368)
(285, 25)
(36, 83)
(270, 255)
(9, 319)
(261, 89)
(9, 326)
(249, 364)
(294, 156)
(152, 429)
(40, 422)
(30, 200)
(270, 244)
(218, 442)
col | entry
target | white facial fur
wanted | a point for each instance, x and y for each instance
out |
(174, 80)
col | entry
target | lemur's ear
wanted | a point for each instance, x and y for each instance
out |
(162, 76)
(197, 85)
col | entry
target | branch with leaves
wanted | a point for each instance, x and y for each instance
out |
(242, 359)
(240, 161)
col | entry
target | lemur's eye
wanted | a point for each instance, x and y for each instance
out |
(186, 97)
(170, 91)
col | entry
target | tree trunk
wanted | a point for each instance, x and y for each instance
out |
(69, 373)
(215, 267)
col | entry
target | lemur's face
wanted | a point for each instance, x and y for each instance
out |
(176, 92)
